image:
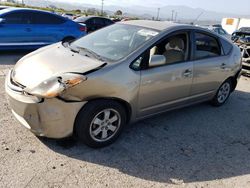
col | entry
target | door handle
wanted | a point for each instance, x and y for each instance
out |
(187, 73)
(223, 65)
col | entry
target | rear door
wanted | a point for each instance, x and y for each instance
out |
(210, 65)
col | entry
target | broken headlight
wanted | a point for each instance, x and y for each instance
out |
(54, 86)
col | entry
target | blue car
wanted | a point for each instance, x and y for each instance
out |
(30, 29)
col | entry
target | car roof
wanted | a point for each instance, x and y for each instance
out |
(156, 25)
(25, 9)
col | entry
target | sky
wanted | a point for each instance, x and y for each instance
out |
(215, 5)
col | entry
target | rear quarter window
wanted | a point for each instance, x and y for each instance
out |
(227, 46)
(46, 18)
(206, 46)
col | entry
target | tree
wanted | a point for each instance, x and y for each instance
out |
(78, 11)
(118, 13)
(92, 11)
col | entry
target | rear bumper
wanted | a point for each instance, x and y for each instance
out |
(52, 118)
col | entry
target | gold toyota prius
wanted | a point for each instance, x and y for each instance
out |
(92, 87)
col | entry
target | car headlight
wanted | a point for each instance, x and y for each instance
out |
(54, 86)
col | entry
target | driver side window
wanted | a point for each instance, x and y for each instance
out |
(174, 49)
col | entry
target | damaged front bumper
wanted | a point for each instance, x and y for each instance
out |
(52, 118)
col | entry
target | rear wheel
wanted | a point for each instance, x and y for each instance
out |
(223, 93)
(100, 123)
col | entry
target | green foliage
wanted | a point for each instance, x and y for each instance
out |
(118, 13)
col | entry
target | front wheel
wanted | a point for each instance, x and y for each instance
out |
(223, 93)
(100, 123)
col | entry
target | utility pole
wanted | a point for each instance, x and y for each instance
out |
(172, 19)
(102, 7)
(176, 14)
(158, 14)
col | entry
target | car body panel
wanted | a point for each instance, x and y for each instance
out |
(145, 91)
(162, 85)
(45, 118)
(208, 74)
(40, 67)
(34, 35)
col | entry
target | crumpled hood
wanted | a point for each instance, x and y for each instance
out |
(49, 61)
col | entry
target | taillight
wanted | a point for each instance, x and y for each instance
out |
(83, 28)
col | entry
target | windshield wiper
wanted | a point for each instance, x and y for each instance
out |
(95, 55)
(67, 45)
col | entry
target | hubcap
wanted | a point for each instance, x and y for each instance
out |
(224, 92)
(105, 125)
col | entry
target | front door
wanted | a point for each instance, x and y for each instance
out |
(15, 29)
(168, 85)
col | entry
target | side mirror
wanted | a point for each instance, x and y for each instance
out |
(157, 60)
(2, 20)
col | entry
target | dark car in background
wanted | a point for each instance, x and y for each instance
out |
(22, 28)
(94, 23)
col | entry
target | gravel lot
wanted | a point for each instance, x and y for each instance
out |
(199, 146)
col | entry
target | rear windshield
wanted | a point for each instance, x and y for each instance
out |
(81, 19)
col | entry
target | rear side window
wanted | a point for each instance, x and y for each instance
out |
(98, 21)
(44, 18)
(227, 46)
(206, 46)
(90, 21)
(108, 22)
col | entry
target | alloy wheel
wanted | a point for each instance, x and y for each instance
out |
(105, 125)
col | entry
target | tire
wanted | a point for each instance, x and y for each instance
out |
(68, 39)
(100, 123)
(223, 93)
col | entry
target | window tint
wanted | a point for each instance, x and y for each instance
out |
(222, 32)
(27, 17)
(107, 22)
(89, 21)
(227, 46)
(45, 18)
(206, 46)
(18, 18)
(98, 21)
(216, 30)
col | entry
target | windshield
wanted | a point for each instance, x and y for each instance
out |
(115, 42)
